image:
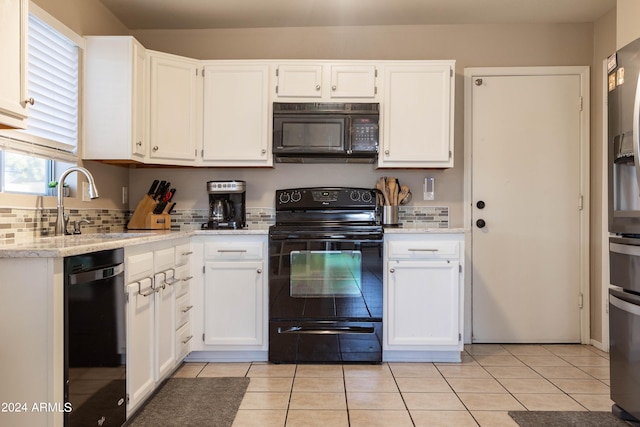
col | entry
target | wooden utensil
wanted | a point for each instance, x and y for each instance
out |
(392, 185)
(380, 185)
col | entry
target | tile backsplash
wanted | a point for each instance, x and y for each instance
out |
(18, 225)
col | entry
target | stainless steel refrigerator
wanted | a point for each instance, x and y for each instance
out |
(624, 226)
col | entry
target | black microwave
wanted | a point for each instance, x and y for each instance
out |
(325, 132)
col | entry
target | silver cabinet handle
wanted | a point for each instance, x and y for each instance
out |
(259, 271)
(155, 148)
(317, 87)
(423, 250)
(187, 253)
(186, 340)
(222, 251)
(263, 151)
(386, 152)
(334, 87)
(139, 143)
(184, 310)
(30, 101)
(393, 270)
(186, 279)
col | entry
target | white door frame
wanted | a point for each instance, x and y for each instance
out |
(604, 280)
(583, 72)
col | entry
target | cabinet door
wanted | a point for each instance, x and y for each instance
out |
(299, 81)
(353, 81)
(422, 303)
(173, 109)
(417, 120)
(13, 72)
(165, 325)
(115, 95)
(236, 115)
(140, 342)
(234, 304)
(140, 100)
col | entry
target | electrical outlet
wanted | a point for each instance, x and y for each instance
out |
(85, 191)
(125, 195)
(429, 188)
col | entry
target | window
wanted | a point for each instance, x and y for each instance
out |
(28, 157)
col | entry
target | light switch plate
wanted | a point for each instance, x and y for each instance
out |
(429, 188)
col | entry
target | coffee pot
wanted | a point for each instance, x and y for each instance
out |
(226, 205)
(221, 210)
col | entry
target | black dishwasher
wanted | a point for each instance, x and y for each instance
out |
(95, 342)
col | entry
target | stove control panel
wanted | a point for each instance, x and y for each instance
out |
(326, 198)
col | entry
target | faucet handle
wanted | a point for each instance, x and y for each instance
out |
(65, 220)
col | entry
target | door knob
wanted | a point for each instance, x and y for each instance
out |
(480, 204)
(481, 223)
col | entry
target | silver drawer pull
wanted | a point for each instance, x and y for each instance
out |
(187, 253)
(232, 251)
(423, 250)
(186, 279)
(186, 340)
(184, 310)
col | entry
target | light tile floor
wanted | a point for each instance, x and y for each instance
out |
(490, 381)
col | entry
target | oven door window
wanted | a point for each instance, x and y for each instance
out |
(326, 273)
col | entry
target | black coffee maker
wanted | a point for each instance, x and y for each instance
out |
(226, 204)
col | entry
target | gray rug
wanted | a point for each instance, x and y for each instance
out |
(196, 402)
(566, 419)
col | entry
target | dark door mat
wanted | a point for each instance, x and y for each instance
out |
(565, 419)
(193, 402)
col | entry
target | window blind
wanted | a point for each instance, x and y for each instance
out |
(53, 83)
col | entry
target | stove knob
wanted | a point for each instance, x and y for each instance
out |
(355, 196)
(296, 196)
(366, 197)
(284, 198)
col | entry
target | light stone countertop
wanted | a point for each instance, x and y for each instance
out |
(62, 246)
(412, 229)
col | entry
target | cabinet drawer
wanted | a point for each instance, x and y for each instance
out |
(183, 254)
(233, 250)
(183, 274)
(423, 249)
(183, 341)
(139, 266)
(183, 310)
(164, 259)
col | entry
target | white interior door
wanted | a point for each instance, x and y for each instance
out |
(526, 188)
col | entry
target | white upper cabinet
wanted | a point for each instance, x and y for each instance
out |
(115, 90)
(236, 125)
(417, 118)
(326, 81)
(299, 81)
(13, 71)
(175, 105)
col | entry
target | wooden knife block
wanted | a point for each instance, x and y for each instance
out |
(143, 217)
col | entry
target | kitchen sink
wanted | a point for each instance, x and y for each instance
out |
(102, 236)
(109, 235)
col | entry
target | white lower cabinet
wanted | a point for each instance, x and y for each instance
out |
(152, 350)
(423, 297)
(235, 297)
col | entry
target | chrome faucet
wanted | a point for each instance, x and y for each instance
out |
(61, 222)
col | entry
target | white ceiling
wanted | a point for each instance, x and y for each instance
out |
(190, 14)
